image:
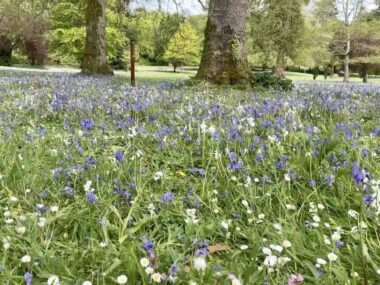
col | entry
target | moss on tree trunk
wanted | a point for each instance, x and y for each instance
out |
(224, 54)
(95, 57)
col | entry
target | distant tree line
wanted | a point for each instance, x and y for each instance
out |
(330, 36)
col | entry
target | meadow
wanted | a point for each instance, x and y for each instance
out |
(102, 183)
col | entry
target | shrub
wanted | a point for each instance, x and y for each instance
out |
(268, 80)
(35, 45)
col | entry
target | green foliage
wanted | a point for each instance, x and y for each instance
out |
(141, 28)
(268, 80)
(277, 25)
(66, 15)
(167, 27)
(182, 47)
(67, 34)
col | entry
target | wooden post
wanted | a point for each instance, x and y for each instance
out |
(133, 75)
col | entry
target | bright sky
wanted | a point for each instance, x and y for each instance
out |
(192, 7)
(188, 7)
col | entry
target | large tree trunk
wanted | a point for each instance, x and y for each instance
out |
(224, 54)
(280, 64)
(347, 60)
(95, 57)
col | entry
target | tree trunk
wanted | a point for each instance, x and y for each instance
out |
(224, 54)
(347, 60)
(95, 57)
(280, 64)
(365, 72)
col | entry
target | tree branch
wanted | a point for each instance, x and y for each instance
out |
(202, 4)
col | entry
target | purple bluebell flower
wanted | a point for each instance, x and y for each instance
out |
(216, 135)
(202, 248)
(87, 124)
(28, 277)
(339, 243)
(234, 166)
(259, 157)
(357, 174)
(375, 132)
(167, 197)
(368, 200)
(329, 180)
(68, 190)
(147, 245)
(173, 270)
(279, 165)
(91, 198)
(200, 171)
(365, 152)
(309, 128)
(90, 160)
(119, 156)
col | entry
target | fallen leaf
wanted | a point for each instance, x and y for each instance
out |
(219, 247)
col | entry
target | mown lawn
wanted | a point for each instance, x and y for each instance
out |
(101, 183)
(157, 74)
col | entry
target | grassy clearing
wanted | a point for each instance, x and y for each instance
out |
(156, 74)
(167, 185)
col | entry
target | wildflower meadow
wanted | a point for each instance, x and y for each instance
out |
(103, 183)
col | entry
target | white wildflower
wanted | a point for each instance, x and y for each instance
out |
(122, 279)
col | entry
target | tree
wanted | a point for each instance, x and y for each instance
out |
(95, 55)
(325, 11)
(277, 25)
(33, 38)
(68, 32)
(23, 26)
(350, 10)
(224, 53)
(182, 47)
(365, 49)
(11, 27)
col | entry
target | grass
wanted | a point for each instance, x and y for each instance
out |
(304, 77)
(210, 186)
(156, 74)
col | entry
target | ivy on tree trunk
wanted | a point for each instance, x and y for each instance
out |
(224, 54)
(95, 56)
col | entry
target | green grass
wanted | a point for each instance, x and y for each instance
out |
(304, 77)
(155, 74)
(256, 169)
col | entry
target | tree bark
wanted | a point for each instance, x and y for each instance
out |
(280, 64)
(224, 54)
(347, 60)
(95, 56)
(364, 70)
